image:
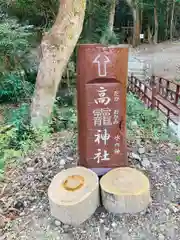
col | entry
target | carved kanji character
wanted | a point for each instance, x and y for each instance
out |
(102, 97)
(104, 136)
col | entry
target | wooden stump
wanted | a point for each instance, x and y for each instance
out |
(74, 195)
(125, 190)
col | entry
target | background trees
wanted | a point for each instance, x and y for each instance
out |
(23, 23)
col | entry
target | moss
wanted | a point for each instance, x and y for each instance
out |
(78, 7)
(83, 4)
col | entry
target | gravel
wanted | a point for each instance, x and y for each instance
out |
(26, 189)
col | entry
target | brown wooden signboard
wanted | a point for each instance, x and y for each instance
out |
(101, 100)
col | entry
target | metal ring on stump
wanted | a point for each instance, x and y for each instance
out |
(72, 190)
(125, 190)
(76, 180)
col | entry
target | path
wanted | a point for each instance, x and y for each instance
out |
(164, 57)
(28, 188)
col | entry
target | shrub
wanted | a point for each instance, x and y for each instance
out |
(17, 137)
(14, 88)
(14, 49)
(7, 152)
(109, 37)
(14, 44)
(36, 12)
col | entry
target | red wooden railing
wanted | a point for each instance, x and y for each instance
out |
(160, 94)
(169, 90)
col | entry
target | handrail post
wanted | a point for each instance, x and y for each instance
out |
(167, 88)
(177, 94)
(168, 115)
(132, 84)
(178, 127)
(154, 92)
(135, 81)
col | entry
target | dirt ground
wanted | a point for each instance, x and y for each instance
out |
(164, 58)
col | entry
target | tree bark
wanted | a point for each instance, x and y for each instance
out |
(149, 35)
(155, 39)
(135, 12)
(136, 35)
(56, 47)
(172, 20)
(111, 15)
(141, 21)
(167, 20)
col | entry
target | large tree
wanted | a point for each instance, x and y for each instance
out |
(156, 24)
(134, 5)
(112, 14)
(172, 19)
(56, 48)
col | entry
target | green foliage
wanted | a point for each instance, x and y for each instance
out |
(63, 118)
(14, 44)
(178, 158)
(36, 12)
(14, 87)
(109, 38)
(19, 117)
(65, 97)
(7, 153)
(64, 112)
(17, 137)
(96, 20)
(13, 146)
(148, 123)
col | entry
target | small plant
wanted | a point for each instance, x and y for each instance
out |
(63, 118)
(65, 97)
(7, 152)
(11, 149)
(178, 158)
(19, 117)
(17, 137)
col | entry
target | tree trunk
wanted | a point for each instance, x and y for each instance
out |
(56, 47)
(136, 20)
(167, 20)
(112, 15)
(155, 39)
(149, 35)
(141, 21)
(172, 20)
(136, 34)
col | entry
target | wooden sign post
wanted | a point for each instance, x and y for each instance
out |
(101, 101)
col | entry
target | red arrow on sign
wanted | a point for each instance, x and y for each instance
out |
(102, 61)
